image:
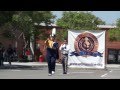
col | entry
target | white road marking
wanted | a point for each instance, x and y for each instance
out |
(104, 75)
(110, 71)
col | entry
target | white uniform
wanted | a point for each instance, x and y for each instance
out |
(64, 48)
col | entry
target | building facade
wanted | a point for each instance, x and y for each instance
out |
(112, 47)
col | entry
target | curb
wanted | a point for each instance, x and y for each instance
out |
(45, 64)
(30, 63)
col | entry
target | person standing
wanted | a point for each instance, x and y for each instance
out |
(10, 52)
(37, 53)
(28, 54)
(64, 50)
(50, 52)
(1, 56)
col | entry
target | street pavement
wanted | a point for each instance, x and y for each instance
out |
(39, 70)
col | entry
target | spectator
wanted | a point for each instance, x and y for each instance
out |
(28, 54)
(37, 54)
(10, 53)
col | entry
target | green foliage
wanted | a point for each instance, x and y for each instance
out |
(118, 22)
(25, 20)
(62, 34)
(42, 35)
(79, 21)
(114, 34)
(6, 29)
(6, 16)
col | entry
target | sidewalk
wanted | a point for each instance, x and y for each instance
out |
(45, 64)
(29, 63)
(113, 65)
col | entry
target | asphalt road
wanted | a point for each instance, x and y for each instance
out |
(41, 72)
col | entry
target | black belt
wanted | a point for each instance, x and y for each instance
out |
(65, 54)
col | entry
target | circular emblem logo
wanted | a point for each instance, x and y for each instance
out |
(86, 42)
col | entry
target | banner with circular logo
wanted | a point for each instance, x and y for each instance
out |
(87, 48)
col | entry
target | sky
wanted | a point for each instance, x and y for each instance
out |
(109, 17)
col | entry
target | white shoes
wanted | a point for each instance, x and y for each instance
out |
(53, 72)
(49, 74)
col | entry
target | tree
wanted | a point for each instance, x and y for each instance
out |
(6, 16)
(25, 21)
(118, 22)
(115, 33)
(7, 31)
(79, 20)
(6, 26)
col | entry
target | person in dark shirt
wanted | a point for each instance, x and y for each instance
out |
(37, 53)
(55, 53)
(51, 55)
(10, 53)
(1, 54)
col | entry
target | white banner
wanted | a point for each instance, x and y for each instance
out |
(87, 49)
